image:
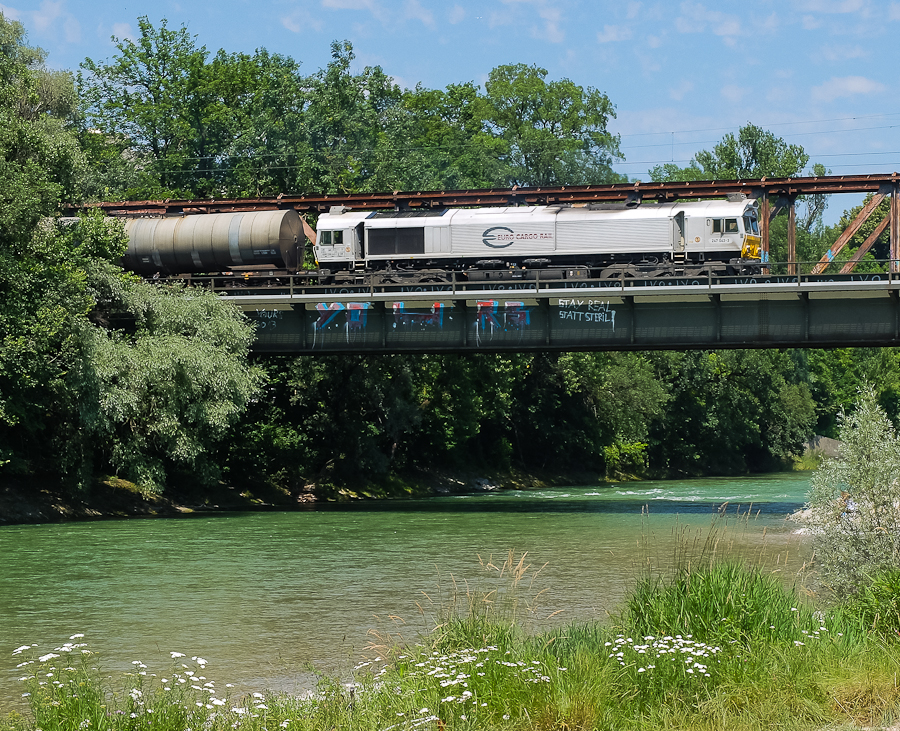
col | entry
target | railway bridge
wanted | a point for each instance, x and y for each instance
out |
(824, 304)
(807, 311)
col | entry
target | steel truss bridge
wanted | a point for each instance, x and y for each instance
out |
(807, 311)
(804, 307)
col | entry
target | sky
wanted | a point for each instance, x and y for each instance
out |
(681, 74)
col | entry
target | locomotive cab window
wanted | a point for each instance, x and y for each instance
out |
(725, 226)
(331, 238)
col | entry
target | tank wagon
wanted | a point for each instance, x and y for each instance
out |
(517, 242)
(594, 240)
(214, 243)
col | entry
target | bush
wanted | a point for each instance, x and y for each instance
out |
(853, 512)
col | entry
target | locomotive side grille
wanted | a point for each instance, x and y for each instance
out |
(589, 236)
(391, 241)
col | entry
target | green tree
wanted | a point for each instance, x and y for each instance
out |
(853, 514)
(753, 153)
(730, 411)
(151, 96)
(168, 390)
(555, 131)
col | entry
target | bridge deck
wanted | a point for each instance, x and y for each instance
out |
(738, 312)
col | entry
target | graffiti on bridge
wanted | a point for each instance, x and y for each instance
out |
(329, 318)
(491, 320)
(419, 319)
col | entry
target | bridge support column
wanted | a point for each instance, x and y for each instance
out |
(792, 238)
(764, 218)
(895, 227)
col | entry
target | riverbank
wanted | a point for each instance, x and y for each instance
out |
(111, 497)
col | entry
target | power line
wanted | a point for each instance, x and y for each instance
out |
(764, 126)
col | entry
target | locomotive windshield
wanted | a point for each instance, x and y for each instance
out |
(751, 226)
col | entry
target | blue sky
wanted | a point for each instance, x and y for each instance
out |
(820, 73)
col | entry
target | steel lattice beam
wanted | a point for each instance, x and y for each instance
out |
(691, 190)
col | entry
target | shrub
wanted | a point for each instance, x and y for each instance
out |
(853, 512)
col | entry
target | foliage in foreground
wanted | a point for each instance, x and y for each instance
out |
(854, 501)
(760, 659)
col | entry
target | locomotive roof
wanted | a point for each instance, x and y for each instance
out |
(443, 217)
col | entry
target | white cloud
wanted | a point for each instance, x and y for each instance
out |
(834, 6)
(654, 41)
(733, 92)
(123, 31)
(11, 13)
(72, 30)
(415, 11)
(48, 20)
(772, 23)
(633, 9)
(843, 53)
(497, 19)
(841, 86)
(551, 30)
(301, 20)
(371, 5)
(683, 87)
(612, 33)
(697, 18)
(48, 14)
(894, 11)
(811, 23)
(457, 14)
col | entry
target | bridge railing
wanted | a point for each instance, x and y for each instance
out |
(311, 283)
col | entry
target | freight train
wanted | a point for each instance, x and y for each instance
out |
(497, 243)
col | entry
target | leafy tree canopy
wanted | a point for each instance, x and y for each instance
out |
(753, 153)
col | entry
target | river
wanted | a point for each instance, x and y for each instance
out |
(266, 596)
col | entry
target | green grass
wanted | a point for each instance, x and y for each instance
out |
(716, 646)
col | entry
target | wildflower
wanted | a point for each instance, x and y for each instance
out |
(258, 695)
(48, 656)
(505, 716)
(21, 649)
(176, 654)
(77, 636)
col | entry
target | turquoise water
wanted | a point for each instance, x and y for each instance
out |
(263, 596)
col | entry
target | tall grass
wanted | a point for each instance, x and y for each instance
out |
(712, 645)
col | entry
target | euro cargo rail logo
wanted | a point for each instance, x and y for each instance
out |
(506, 237)
(504, 234)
